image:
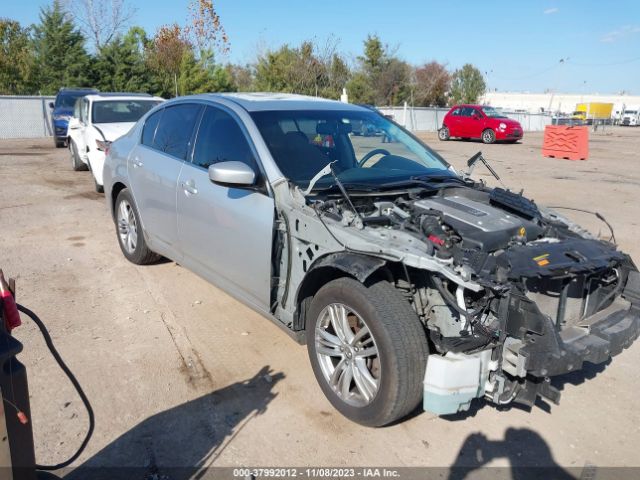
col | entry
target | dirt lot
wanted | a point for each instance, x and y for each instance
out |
(179, 373)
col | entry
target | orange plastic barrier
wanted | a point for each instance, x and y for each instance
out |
(571, 143)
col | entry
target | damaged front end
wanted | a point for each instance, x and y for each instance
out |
(509, 294)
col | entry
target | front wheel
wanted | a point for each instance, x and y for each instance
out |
(368, 350)
(488, 136)
(443, 134)
(129, 230)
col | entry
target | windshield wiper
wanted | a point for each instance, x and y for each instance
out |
(358, 187)
(422, 181)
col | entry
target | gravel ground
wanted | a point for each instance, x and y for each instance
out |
(181, 374)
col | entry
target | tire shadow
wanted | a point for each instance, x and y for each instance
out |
(181, 442)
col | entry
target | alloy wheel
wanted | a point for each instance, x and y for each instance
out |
(347, 354)
(127, 227)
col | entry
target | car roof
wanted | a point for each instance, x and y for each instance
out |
(262, 101)
(121, 96)
(474, 105)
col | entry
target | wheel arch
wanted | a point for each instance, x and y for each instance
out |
(331, 267)
(117, 187)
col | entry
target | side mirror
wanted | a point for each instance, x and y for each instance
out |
(74, 123)
(232, 174)
(51, 105)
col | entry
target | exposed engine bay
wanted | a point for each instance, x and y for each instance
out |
(518, 291)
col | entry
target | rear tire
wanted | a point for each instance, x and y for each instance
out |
(443, 134)
(77, 164)
(59, 143)
(488, 136)
(129, 231)
(398, 339)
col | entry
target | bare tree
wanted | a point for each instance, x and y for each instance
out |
(431, 84)
(204, 29)
(100, 20)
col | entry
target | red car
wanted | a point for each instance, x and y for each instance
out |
(478, 121)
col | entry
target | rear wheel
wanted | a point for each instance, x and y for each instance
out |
(59, 143)
(443, 134)
(488, 136)
(76, 163)
(129, 230)
(368, 350)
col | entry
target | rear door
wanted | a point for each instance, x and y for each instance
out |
(465, 127)
(226, 233)
(154, 168)
(453, 122)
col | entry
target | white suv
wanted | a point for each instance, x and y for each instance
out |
(97, 121)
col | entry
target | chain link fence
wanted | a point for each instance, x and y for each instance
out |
(25, 116)
(428, 119)
(30, 117)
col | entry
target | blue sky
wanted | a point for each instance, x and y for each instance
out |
(518, 44)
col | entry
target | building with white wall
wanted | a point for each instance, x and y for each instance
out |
(555, 102)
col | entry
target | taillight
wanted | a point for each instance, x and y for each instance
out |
(103, 146)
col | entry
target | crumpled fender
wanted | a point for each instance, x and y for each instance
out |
(357, 265)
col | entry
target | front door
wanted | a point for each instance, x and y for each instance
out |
(80, 130)
(476, 124)
(154, 168)
(225, 233)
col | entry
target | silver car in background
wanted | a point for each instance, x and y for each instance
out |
(407, 281)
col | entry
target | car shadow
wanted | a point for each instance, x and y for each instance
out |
(179, 443)
(529, 457)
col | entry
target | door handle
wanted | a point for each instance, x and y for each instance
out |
(189, 187)
(137, 163)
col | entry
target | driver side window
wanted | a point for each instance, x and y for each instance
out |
(220, 139)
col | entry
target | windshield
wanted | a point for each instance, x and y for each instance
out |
(492, 112)
(121, 111)
(67, 100)
(368, 149)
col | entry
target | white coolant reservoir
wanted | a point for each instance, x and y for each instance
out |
(453, 380)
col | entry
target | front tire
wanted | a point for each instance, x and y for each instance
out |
(129, 231)
(443, 134)
(77, 164)
(368, 350)
(488, 136)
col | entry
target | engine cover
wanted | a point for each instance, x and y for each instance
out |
(479, 224)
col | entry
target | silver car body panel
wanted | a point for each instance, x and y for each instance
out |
(228, 251)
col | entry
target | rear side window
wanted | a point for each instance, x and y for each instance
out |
(455, 112)
(220, 139)
(174, 132)
(149, 130)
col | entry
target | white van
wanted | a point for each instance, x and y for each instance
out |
(631, 117)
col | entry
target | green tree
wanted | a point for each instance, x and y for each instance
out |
(120, 65)
(17, 60)
(241, 76)
(61, 58)
(467, 85)
(308, 69)
(382, 77)
(203, 75)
